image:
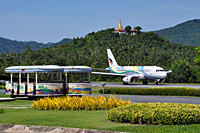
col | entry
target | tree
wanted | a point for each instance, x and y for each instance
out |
(138, 28)
(28, 49)
(146, 48)
(181, 71)
(197, 58)
(128, 29)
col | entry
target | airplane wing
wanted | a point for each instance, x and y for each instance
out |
(115, 74)
(112, 74)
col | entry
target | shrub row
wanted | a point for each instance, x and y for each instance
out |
(78, 103)
(156, 114)
(1, 111)
(167, 91)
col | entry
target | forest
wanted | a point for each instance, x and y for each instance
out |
(145, 48)
(7, 45)
(187, 33)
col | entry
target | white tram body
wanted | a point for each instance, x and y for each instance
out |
(48, 80)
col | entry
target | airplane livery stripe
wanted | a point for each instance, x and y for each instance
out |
(122, 71)
(141, 69)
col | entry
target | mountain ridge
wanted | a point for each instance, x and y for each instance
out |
(19, 46)
(143, 49)
(186, 33)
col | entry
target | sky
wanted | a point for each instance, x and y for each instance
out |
(52, 20)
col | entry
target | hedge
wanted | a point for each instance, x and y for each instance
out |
(156, 114)
(78, 103)
(167, 91)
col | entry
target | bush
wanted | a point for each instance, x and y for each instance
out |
(78, 103)
(1, 111)
(167, 91)
(2, 87)
(156, 114)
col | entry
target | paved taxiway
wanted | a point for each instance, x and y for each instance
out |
(146, 99)
(137, 85)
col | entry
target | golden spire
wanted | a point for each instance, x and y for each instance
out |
(120, 25)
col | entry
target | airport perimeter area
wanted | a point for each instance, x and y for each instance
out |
(98, 124)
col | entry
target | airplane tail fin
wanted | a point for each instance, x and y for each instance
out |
(111, 59)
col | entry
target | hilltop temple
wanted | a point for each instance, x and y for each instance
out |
(120, 29)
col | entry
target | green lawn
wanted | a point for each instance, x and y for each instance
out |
(78, 119)
(16, 103)
(4, 95)
(95, 90)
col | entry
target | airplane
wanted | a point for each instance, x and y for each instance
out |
(132, 73)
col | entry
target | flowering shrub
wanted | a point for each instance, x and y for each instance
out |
(78, 103)
(167, 91)
(156, 114)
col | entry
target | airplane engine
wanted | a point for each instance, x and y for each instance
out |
(159, 80)
(129, 79)
(162, 80)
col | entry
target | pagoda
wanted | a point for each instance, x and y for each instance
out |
(120, 25)
(120, 29)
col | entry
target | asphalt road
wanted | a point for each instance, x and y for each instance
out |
(137, 85)
(149, 99)
(162, 99)
(146, 99)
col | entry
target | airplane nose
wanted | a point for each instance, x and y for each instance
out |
(164, 74)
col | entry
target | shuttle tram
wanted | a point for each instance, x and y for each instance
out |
(48, 80)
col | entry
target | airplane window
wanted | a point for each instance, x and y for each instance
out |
(160, 70)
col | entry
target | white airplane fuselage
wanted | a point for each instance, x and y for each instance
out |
(141, 72)
(132, 73)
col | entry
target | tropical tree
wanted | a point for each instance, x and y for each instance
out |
(181, 71)
(28, 49)
(197, 58)
(128, 29)
(138, 28)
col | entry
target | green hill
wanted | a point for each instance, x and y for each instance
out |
(141, 49)
(187, 33)
(19, 46)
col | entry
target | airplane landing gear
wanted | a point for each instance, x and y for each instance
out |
(125, 83)
(145, 82)
(156, 82)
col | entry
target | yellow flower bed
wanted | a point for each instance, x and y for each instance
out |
(157, 114)
(78, 103)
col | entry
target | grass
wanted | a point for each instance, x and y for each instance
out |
(16, 103)
(4, 95)
(79, 119)
(1, 111)
(95, 90)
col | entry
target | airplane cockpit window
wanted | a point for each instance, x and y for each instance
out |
(160, 70)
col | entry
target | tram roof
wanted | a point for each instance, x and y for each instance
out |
(76, 69)
(48, 68)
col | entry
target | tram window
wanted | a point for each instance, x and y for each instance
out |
(49, 77)
(84, 77)
(78, 77)
(73, 77)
